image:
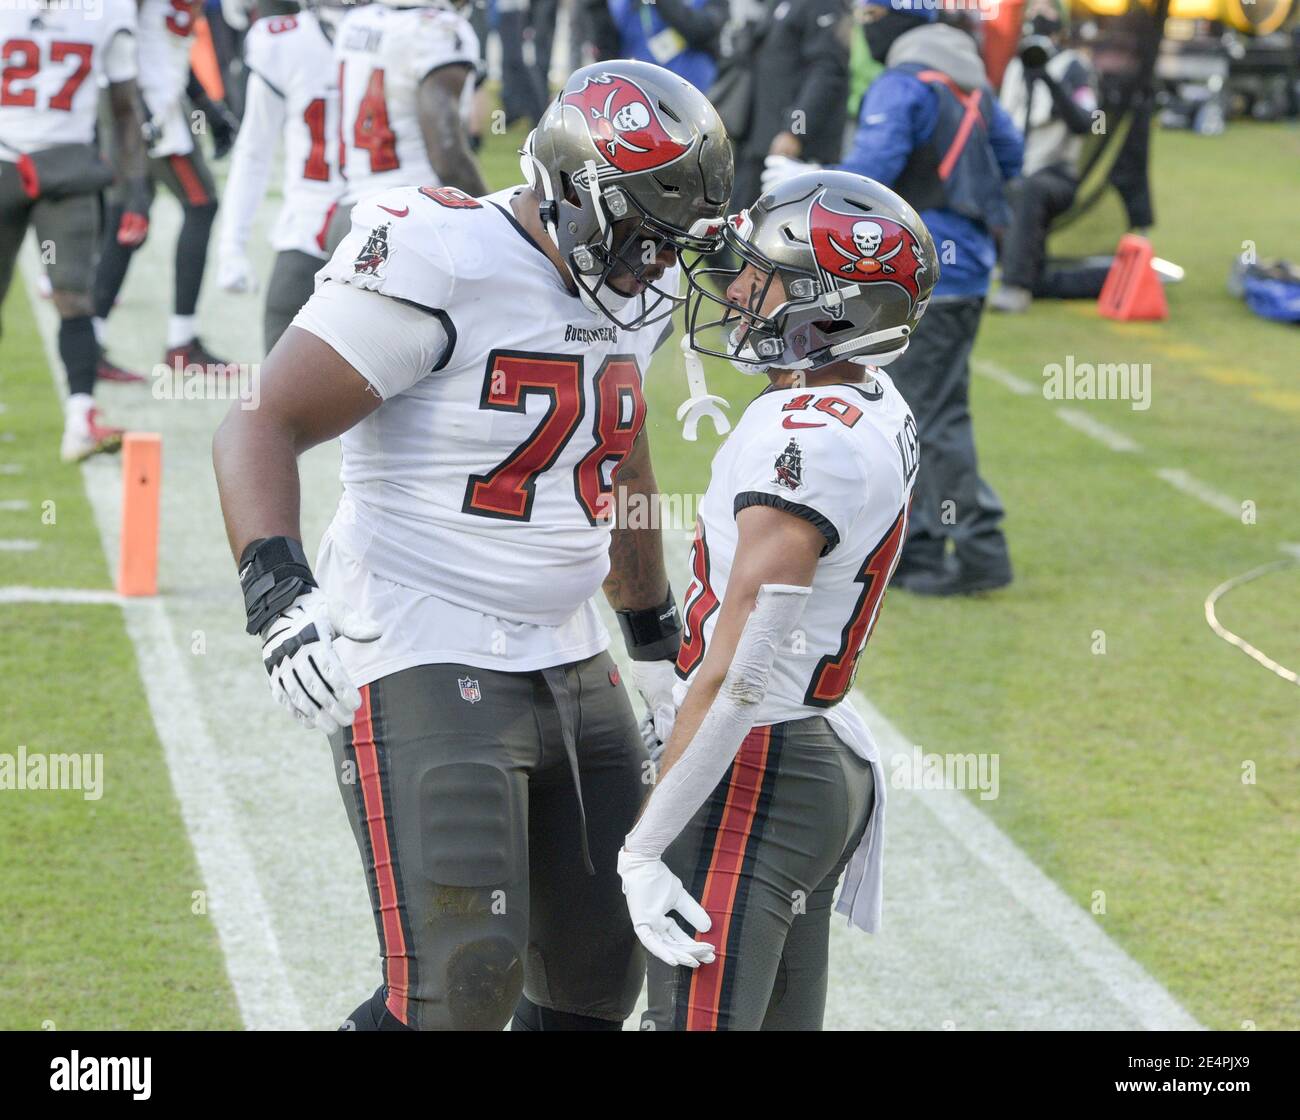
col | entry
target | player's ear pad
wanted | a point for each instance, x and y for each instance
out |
(468, 820)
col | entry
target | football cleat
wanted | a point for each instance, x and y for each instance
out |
(194, 353)
(84, 436)
(109, 371)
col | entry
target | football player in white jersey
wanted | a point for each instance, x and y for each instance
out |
(166, 35)
(292, 95)
(771, 784)
(482, 359)
(54, 59)
(406, 79)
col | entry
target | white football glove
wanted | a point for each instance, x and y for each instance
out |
(655, 680)
(652, 890)
(307, 676)
(777, 169)
(235, 273)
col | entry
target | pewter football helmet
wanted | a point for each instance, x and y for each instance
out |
(855, 262)
(628, 140)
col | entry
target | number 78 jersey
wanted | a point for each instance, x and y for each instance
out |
(844, 458)
(486, 477)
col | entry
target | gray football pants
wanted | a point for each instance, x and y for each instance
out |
(461, 786)
(763, 857)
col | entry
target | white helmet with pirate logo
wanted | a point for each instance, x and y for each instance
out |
(856, 265)
(631, 144)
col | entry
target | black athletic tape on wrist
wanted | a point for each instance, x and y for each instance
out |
(273, 571)
(653, 633)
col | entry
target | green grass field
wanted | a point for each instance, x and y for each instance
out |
(1121, 772)
(100, 926)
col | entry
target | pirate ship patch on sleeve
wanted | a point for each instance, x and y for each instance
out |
(789, 467)
(374, 253)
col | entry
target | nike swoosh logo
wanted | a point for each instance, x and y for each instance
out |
(791, 422)
(396, 213)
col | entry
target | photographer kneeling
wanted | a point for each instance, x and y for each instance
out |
(1049, 93)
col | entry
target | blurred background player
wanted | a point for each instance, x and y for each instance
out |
(291, 96)
(771, 785)
(55, 59)
(406, 84)
(166, 32)
(1048, 91)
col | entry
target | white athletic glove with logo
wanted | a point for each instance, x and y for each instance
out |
(655, 681)
(235, 273)
(777, 169)
(652, 891)
(307, 676)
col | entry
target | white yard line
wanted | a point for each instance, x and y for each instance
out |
(1117, 441)
(18, 545)
(70, 596)
(11, 468)
(235, 900)
(1195, 488)
(1082, 422)
(1005, 378)
(14, 505)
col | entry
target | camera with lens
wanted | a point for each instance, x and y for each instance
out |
(1036, 51)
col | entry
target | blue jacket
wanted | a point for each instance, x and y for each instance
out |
(638, 23)
(899, 114)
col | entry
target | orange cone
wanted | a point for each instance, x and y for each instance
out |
(1132, 289)
(137, 567)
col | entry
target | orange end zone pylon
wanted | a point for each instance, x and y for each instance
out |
(137, 566)
(1132, 289)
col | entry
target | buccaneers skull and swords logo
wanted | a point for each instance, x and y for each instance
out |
(855, 248)
(624, 124)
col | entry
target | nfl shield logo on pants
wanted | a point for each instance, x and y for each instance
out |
(469, 689)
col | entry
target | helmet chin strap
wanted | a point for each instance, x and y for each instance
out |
(536, 177)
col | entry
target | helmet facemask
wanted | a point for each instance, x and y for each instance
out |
(604, 234)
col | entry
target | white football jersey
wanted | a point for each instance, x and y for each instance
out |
(485, 477)
(383, 55)
(844, 457)
(166, 35)
(51, 66)
(294, 59)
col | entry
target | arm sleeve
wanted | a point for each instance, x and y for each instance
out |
(250, 167)
(698, 25)
(893, 121)
(824, 59)
(391, 344)
(687, 785)
(812, 472)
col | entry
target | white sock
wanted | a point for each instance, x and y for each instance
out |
(101, 330)
(79, 406)
(180, 330)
